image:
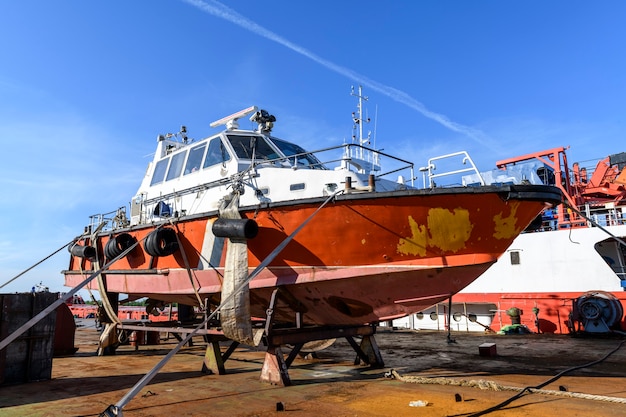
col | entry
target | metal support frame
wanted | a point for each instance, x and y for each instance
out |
(214, 359)
(367, 352)
(276, 367)
(213, 362)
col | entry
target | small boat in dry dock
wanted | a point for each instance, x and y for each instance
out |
(327, 237)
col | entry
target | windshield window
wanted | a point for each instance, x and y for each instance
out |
(217, 153)
(195, 159)
(244, 145)
(303, 158)
(176, 166)
(159, 171)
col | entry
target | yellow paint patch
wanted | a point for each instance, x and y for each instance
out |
(505, 227)
(444, 229)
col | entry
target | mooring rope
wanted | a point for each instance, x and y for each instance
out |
(495, 386)
(38, 263)
(522, 391)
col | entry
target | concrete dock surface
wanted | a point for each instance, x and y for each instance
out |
(425, 374)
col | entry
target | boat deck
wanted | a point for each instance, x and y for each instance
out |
(85, 385)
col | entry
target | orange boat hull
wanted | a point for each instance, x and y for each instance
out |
(362, 258)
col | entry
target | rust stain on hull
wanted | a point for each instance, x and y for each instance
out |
(448, 230)
(506, 226)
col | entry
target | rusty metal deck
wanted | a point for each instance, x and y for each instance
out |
(84, 384)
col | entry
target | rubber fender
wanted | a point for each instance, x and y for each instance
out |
(82, 251)
(237, 228)
(118, 244)
(161, 242)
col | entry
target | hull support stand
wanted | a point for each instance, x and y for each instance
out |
(367, 352)
(213, 362)
(276, 366)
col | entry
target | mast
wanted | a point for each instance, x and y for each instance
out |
(359, 121)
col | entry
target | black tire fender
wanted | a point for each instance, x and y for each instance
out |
(161, 242)
(118, 244)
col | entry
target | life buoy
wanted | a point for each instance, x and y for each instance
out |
(161, 242)
(118, 244)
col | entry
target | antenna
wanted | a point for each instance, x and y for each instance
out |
(358, 119)
(231, 121)
(375, 126)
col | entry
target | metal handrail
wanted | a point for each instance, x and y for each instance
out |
(432, 167)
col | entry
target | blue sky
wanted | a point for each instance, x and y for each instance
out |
(87, 86)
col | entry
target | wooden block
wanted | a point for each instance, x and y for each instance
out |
(487, 349)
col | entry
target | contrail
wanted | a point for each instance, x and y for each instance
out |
(217, 9)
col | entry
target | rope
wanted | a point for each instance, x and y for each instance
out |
(106, 303)
(109, 336)
(494, 386)
(187, 266)
(594, 223)
(521, 391)
(38, 263)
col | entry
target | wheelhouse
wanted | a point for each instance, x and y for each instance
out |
(221, 149)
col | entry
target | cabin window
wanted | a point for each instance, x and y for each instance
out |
(245, 146)
(176, 166)
(514, 257)
(217, 153)
(159, 171)
(297, 155)
(296, 187)
(195, 159)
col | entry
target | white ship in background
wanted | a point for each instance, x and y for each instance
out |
(567, 273)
